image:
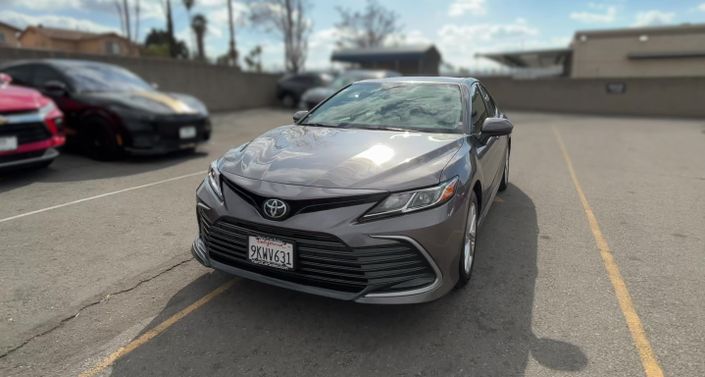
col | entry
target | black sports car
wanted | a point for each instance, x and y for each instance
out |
(110, 110)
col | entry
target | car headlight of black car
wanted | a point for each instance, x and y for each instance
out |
(192, 102)
(415, 200)
(214, 180)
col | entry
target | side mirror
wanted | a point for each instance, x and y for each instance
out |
(299, 114)
(55, 88)
(497, 127)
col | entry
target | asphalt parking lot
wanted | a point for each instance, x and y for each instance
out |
(590, 264)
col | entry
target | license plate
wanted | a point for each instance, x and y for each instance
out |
(8, 143)
(187, 132)
(271, 252)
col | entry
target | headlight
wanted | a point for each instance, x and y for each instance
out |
(192, 102)
(416, 200)
(214, 179)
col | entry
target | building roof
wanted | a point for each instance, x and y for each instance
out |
(653, 30)
(68, 34)
(530, 58)
(378, 54)
(9, 26)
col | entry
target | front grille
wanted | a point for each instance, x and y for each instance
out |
(25, 132)
(322, 260)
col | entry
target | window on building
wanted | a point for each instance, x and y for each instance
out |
(2, 37)
(112, 48)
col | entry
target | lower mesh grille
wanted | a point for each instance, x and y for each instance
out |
(322, 260)
(26, 132)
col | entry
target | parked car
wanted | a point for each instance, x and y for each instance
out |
(314, 96)
(374, 196)
(31, 127)
(110, 110)
(291, 87)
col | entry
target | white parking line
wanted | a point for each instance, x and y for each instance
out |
(100, 196)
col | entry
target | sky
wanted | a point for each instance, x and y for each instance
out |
(459, 28)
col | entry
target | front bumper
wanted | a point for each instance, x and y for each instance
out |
(427, 241)
(27, 158)
(162, 135)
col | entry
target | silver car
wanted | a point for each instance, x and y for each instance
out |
(375, 195)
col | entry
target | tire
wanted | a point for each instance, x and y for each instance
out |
(465, 264)
(505, 175)
(289, 101)
(99, 140)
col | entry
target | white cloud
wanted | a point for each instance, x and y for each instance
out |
(601, 14)
(21, 20)
(461, 7)
(44, 4)
(701, 7)
(459, 44)
(654, 18)
(149, 9)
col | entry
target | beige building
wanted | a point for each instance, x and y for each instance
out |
(665, 51)
(8, 35)
(673, 51)
(65, 40)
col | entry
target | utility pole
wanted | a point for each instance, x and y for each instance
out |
(233, 52)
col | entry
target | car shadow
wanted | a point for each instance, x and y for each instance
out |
(73, 167)
(482, 330)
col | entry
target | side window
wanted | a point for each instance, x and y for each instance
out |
(491, 107)
(42, 74)
(479, 111)
(21, 74)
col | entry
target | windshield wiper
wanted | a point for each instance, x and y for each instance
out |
(371, 127)
(315, 124)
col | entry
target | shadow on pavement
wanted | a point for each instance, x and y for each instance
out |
(70, 167)
(255, 329)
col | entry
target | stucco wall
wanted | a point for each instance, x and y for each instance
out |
(10, 37)
(670, 97)
(606, 56)
(221, 88)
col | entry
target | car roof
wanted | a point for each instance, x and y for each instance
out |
(468, 81)
(59, 63)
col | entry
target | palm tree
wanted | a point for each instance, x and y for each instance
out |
(199, 25)
(188, 4)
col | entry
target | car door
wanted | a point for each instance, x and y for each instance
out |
(489, 148)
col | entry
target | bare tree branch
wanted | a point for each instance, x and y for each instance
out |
(369, 28)
(286, 18)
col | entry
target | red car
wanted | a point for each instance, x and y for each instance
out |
(31, 127)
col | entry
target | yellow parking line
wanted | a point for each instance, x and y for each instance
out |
(641, 341)
(154, 332)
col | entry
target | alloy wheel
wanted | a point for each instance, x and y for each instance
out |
(470, 237)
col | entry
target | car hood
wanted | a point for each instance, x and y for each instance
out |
(15, 98)
(343, 158)
(318, 94)
(150, 101)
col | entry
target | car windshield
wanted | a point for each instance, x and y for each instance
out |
(104, 78)
(430, 107)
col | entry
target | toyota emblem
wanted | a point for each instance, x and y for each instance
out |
(275, 208)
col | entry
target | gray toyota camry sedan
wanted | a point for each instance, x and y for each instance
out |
(375, 195)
